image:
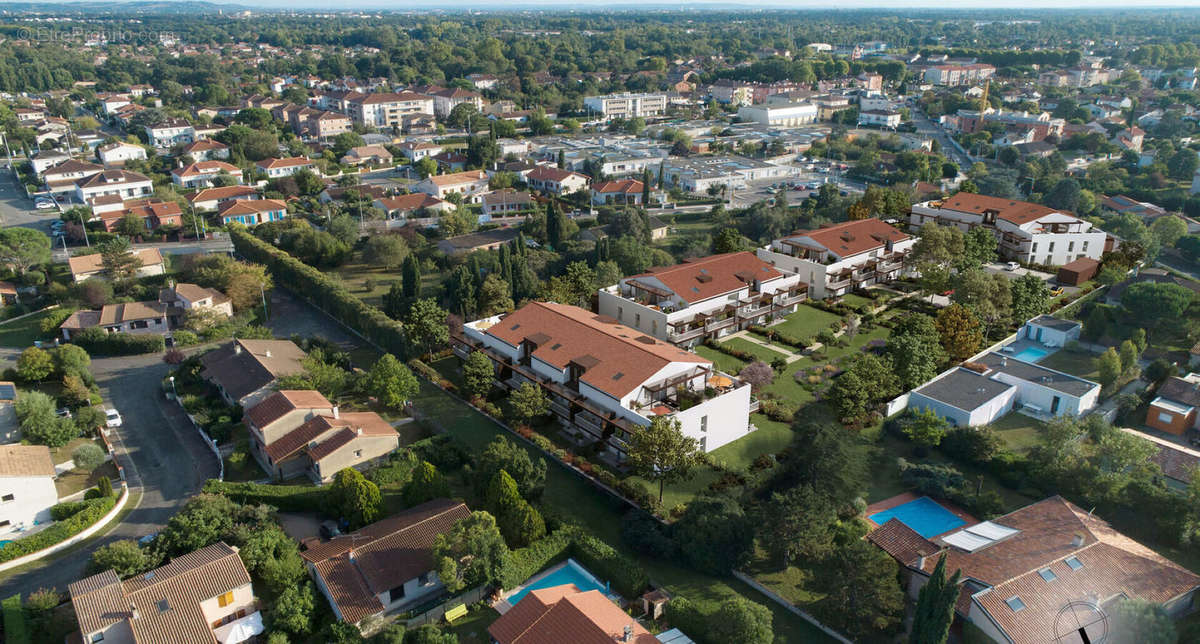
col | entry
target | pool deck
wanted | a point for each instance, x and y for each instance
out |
(901, 499)
(502, 605)
(1021, 344)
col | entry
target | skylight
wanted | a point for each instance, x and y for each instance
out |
(1047, 574)
(1074, 563)
(163, 606)
(1015, 604)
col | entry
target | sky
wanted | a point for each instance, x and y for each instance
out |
(699, 4)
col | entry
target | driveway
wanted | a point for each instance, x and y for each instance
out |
(161, 453)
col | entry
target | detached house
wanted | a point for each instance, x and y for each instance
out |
(605, 380)
(368, 154)
(26, 486)
(567, 614)
(245, 371)
(213, 198)
(627, 191)
(203, 597)
(296, 433)
(469, 184)
(153, 212)
(252, 212)
(170, 132)
(385, 567)
(61, 179)
(838, 259)
(555, 181)
(276, 168)
(122, 183)
(202, 174)
(405, 206)
(87, 266)
(1174, 409)
(206, 150)
(119, 152)
(707, 297)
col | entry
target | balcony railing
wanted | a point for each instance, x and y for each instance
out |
(888, 267)
(717, 325)
(792, 299)
(746, 313)
(838, 283)
(683, 336)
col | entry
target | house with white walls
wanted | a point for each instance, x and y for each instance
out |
(27, 489)
(838, 259)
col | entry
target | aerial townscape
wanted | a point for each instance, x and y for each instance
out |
(528, 323)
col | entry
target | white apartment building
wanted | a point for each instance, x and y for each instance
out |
(170, 132)
(698, 174)
(605, 380)
(708, 297)
(1027, 232)
(26, 487)
(445, 100)
(386, 109)
(120, 152)
(779, 114)
(952, 75)
(879, 118)
(626, 105)
(123, 183)
(838, 259)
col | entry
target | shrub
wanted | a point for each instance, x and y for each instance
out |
(67, 509)
(88, 456)
(16, 627)
(626, 576)
(777, 411)
(826, 337)
(185, 338)
(104, 485)
(97, 341)
(54, 319)
(60, 531)
(525, 562)
(286, 498)
(646, 536)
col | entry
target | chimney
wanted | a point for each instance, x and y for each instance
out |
(133, 612)
(627, 636)
(1077, 540)
(335, 411)
(268, 353)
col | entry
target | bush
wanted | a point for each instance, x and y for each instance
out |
(730, 351)
(286, 498)
(54, 319)
(646, 536)
(525, 562)
(777, 411)
(60, 531)
(185, 338)
(67, 509)
(445, 452)
(88, 456)
(97, 341)
(626, 576)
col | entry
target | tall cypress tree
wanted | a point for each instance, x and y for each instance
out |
(410, 274)
(554, 225)
(506, 264)
(646, 179)
(935, 607)
(562, 160)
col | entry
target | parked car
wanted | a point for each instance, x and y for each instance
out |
(1012, 266)
(62, 412)
(112, 418)
(43, 205)
(1056, 291)
(148, 539)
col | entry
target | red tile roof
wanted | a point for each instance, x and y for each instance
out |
(220, 194)
(619, 358)
(414, 201)
(625, 186)
(702, 278)
(289, 162)
(250, 206)
(565, 614)
(275, 406)
(902, 542)
(1016, 212)
(205, 167)
(546, 173)
(853, 237)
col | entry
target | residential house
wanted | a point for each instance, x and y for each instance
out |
(605, 381)
(706, 297)
(61, 179)
(386, 566)
(118, 153)
(625, 191)
(123, 183)
(45, 159)
(202, 174)
(445, 100)
(1130, 138)
(450, 161)
(1177, 462)
(1023, 571)
(884, 119)
(1122, 204)
(836, 260)
(213, 198)
(567, 614)
(87, 266)
(169, 132)
(504, 203)
(406, 206)
(130, 317)
(202, 597)
(153, 212)
(206, 150)
(252, 212)
(1027, 232)
(372, 155)
(184, 297)
(556, 182)
(1173, 409)
(484, 81)
(482, 240)
(469, 184)
(246, 371)
(27, 489)
(276, 168)
(416, 150)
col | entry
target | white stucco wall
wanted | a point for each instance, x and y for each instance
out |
(32, 498)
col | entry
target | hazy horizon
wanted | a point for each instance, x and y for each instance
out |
(484, 6)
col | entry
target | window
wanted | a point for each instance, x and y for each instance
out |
(225, 599)
(6, 498)
(358, 453)
(1071, 247)
(637, 320)
(1033, 248)
(97, 637)
(1085, 246)
(1047, 574)
(1165, 418)
(163, 606)
(704, 423)
(396, 594)
(620, 313)
(703, 443)
(1015, 604)
(1051, 249)
(1073, 563)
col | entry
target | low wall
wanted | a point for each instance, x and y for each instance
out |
(212, 444)
(87, 532)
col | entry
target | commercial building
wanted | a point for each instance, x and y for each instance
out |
(779, 114)
(626, 106)
(1027, 232)
(698, 174)
(836, 260)
(606, 381)
(703, 298)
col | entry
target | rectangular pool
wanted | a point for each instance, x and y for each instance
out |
(569, 572)
(1031, 354)
(924, 515)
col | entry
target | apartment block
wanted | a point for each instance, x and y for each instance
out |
(626, 106)
(836, 260)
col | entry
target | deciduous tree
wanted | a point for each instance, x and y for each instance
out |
(391, 382)
(356, 499)
(473, 552)
(662, 452)
(960, 331)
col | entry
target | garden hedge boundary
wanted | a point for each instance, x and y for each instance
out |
(625, 575)
(287, 498)
(321, 291)
(59, 531)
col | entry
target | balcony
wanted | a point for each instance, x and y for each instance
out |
(560, 408)
(838, 282)
(883, 268)
(684, 336)
(791, 299)
(717, 325)
(747, 313)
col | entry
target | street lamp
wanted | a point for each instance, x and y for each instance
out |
(173, 392)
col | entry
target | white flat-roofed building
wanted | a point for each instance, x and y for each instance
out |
(1027, 232)
(779, 114)
(627, 105)
(707, 297)
(836, 260)
(698, 174)
(607, 380)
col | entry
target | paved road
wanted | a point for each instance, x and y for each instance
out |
(16, 209)
(161, 453)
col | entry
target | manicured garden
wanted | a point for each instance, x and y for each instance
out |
(1018, 431)
(22, 333)
(807, 322)
(757, 350)
(1076, 363)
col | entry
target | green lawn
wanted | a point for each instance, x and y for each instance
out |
(769, 438)
(850, 299)
(806, 323)
(21, 333)
(1082, 364)
(724, 362)
(756, 350)
(472, 627)
(786, 388)
(1018, 431)
(571, 496)
(69, 483)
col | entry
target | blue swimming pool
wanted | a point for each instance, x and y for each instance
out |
(1031, 354)
(923, 515)
(569, 572)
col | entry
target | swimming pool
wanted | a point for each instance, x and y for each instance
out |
(1031, 354)
(923, 515)
(569, 572)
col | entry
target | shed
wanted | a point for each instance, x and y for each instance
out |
(1079, 271)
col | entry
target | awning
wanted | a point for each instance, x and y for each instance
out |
(240, 630)
(720, 381)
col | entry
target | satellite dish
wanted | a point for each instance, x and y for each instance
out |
(1081, 622)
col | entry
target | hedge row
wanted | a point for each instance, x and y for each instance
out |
(60, 531)
(730, 351)
(526, 562)
(778, 336)
(66, 510)
(324, 293)
(626, 576)
(97, 341)
(287, 498)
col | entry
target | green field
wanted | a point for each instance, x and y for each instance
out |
(1018, 431)
(21, 333)
(724, 362)
(806, 323)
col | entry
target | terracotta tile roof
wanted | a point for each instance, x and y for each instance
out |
(227, 192)
(289, 162)
(702, 278)
(356, 425)
(162, 606)
(86, 264)
(273, 407)
(414, 201)
(71, 166)
(619, 359)
(127, 312)
(458, 178)
(244, 372)
(546, 173)
(1017, 212)
(566, 614)
(852, 237)
(109, 177)
(25, 460)
(193, 292)
(206, 167)
(902, 542)
(386, 554)
(204, 145)
(250, 206)
(626, 186)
